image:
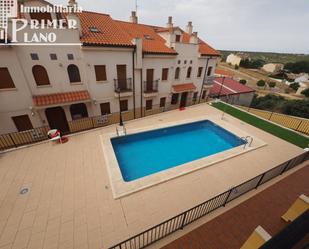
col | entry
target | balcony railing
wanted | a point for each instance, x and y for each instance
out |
(151, 86)
(123, 85)
(209, 80)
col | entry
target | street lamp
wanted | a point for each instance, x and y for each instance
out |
(221, 87)
(120, 120)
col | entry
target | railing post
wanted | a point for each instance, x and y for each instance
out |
(259, 182)
(227, 197)
(271, 116)
(183, 221)
(301, 121)
(13, 140)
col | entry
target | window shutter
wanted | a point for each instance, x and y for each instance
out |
(100, 72)
(5, 79)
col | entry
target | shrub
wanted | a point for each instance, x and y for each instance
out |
(236, 67)
(294, 86)
(244, 82)
(272, 84)
(305, 92)
(260, 83)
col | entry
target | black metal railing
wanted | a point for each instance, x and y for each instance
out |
(151, 86)
(179, 221)
(123, 85)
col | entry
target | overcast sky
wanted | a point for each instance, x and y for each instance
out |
(252, 25)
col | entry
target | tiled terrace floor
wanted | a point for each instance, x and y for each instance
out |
(70, 203)
(231, 229)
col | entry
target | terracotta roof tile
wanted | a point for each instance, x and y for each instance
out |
(109, 33)
(60, 98)
(184, 87)
(152, 42)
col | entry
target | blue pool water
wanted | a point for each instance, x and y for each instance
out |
(146, 153)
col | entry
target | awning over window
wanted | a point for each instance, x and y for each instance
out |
(60, 98)
(188, 87)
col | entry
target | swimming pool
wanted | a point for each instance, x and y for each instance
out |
(150, 152)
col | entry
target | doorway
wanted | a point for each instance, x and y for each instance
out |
(149, 80)
(57, 119)
(183, 99)
(122, 77)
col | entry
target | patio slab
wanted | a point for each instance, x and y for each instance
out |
(70, 203)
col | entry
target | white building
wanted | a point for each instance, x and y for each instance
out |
(153, 68)
(273, 67)
(235, 59)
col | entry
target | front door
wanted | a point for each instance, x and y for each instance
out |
(149, 80)
(122, 76)
(57, 119)
(183, 99)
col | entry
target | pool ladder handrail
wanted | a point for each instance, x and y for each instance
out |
(246, 139)
(124, 131)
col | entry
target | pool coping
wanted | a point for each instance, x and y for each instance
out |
(120, 188)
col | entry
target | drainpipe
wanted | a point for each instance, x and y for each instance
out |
(204, 78)
(133, 68)
(141, 92)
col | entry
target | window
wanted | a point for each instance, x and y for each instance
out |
(148, 104)
(70, 57)
(195, 97)
(164, 73)
(105, 108)
(22, 123)
(178, 37)
(179, 61)
(177, 73)
(124, 105)
(5, 79)
(199, 72)
(53, 57)
(34, 57)
(100, 72)
(189, 72)
(78, 111)
(40, 75)
(94, 29)
(175, 98)
(162, 102)
(185, 62)
(191, 61)
(209, 70)
(204, 94)
(73, 73)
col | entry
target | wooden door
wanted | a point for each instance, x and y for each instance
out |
(122, 76)
(57, 119)
(22, 123)
(149, 79)
(183, 99)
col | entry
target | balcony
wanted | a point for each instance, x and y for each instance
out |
(123, 86)
(151, 88)
(208, 81)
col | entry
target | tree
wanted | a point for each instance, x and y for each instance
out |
(295, 86)
(305, 92)
(272, 84)
(269, 102)
(299, 108)
(244, 82)
(298, 67)
(260, 83)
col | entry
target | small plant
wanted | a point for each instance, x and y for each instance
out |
(244, 82)
(305, 92)
(272, 84)
(294, 86)
(260, 83)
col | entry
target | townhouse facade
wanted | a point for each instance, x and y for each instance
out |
(118, 66)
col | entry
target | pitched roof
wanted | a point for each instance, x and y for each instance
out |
(152, 42)
(60, 98)
(204, 48)
(184, 87)
(109, 33)
(229, 87)
(224, 72)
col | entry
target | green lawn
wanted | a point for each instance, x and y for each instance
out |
(275, 130)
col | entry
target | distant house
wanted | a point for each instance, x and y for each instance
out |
(223, 73)
(302, 78)
(273, 67)
(232, 91)
(235, 59)
(302, 86)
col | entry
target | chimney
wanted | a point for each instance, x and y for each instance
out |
(133, 17)
(194, 38)
(189, 28)
(170, 22)
(73, 17)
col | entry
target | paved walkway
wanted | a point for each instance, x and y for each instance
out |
(231, 229)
